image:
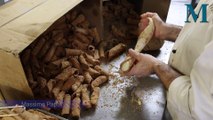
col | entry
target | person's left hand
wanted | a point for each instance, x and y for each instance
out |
(144, 65)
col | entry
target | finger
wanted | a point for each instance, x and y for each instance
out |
(134, 54)
(132, 71)
(144, 21)
(129, 74)
(147, 14)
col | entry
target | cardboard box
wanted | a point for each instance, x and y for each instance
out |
(2, 100)
(1, 97)
(21, 22)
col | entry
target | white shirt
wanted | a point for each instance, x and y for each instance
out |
(191, 95)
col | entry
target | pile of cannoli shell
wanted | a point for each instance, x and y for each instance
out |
(64, 64)
(121, 19)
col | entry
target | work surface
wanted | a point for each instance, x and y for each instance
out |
(131, 98)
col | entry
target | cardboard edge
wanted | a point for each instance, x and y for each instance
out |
(32, 24)
(13, 83)
(2, 100)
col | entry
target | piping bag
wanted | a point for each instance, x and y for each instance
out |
(144, 37)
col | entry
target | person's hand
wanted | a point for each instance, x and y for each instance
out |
(144, 65)
(160, 26)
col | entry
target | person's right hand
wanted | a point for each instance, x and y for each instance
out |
(160, 26)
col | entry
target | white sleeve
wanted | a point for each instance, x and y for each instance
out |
(178, 98)
(191, 97)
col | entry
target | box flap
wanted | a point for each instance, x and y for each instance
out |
(13, 83)
(18, 31)
(16, 8)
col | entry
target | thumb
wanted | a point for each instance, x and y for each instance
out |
(133, 54)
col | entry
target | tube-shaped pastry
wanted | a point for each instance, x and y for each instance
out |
(117, 32)
(85, 96)
(50, 84)
(8, 118)
(58, 35)
(76, 85)
(79, 78)
(101, 70)
(91, 49)
(61, 42)
(101, 51)
(35, 62)
(26, 56)
(95, 95)
(99, 81)
(81, 30)
(85, 24)
(66, 73)
(30, 78)
(93, 72)
(75, 63)
(60, 98)
(82, 38)
(38, 46)
(50, 53)
(57, 88)
(73, 15)
(68, 84)
(44, 49)
(54, 58)
(35, 71)
(65, 64)
(80, 18)
(10, 112)
(77, 93)
(42, 82)
(83, 62)
(61, 27)
(60, 51)
(96, 55)
(73, 52)
(94, 33)
(91, 59)
(59, 61)
(116, 51)
(88, 77)
(66, 105)
(76, 109)
(26, 115)
(76, 44)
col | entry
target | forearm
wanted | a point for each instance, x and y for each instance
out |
(171, 32)
(166, 73)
